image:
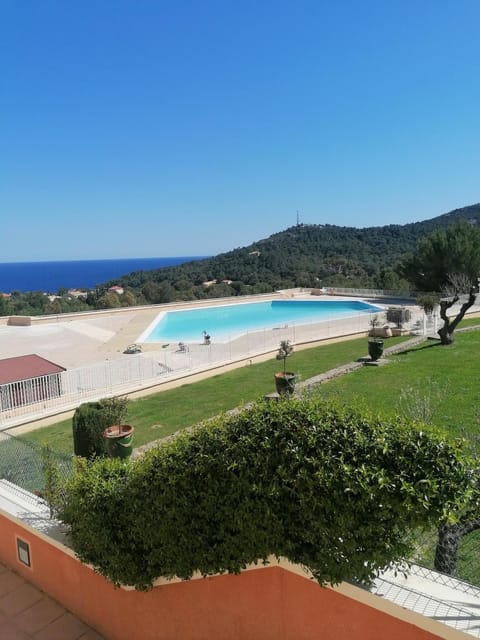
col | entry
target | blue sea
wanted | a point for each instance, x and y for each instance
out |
(75, 274)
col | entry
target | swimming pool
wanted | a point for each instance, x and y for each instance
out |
(225, 322)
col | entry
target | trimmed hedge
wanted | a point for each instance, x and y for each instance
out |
(89, 421)
(328, 487)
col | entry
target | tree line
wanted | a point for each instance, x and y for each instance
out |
(418, 255)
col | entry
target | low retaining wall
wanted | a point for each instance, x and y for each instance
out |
(272, 603)
(19, 321)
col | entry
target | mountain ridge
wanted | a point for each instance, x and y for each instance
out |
(305, 255)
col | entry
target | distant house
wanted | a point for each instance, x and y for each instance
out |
(28, 379)
(209, 283)
(226, 282)
(116, 289)
(254, 253)
(76, 293)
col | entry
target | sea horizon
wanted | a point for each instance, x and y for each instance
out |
(49, 276)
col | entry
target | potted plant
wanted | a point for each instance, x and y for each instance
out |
(119, 440)
(284, 380)
(399, 316)
(375, 344)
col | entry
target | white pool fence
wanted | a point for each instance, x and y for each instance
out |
(30, 400)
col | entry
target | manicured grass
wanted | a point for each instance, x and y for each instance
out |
(163, 413)
(470, 322)
(447, 376)
(58, 436)
(468, 552)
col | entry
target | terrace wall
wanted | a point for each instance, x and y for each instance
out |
(272, 603)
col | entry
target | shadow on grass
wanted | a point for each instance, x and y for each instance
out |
(426, 345)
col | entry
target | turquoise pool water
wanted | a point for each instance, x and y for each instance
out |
(229, 321)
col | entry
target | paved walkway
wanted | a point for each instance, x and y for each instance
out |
(26, 613)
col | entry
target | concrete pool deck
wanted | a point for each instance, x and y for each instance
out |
(82, 340)
(76, 340)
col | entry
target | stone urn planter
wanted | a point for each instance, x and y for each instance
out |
(375, 344)
(285, 383)
(375, 348)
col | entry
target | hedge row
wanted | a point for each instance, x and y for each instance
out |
(328, 487)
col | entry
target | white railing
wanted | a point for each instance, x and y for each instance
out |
(22, 401)
(397, 294)
(32, 399)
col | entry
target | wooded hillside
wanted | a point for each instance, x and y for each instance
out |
(301, 256)
(313, 255)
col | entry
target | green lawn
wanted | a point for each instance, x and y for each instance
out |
(446, 376)
(163, 413)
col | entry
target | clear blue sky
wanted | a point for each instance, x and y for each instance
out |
(135, 128)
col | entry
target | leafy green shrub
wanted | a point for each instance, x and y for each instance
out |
(89, 421)
(325, 486)
(428, 302)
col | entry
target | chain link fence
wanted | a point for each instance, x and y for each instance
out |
(467, 565)
(21, 465)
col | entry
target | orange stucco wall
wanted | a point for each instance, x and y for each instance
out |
(268, 603)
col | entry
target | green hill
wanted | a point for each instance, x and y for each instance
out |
(313, 255)
(306, 255)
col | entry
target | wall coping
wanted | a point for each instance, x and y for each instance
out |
(358, 594)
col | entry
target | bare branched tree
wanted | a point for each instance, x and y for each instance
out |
(457, 284)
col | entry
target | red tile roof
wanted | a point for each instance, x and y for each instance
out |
(25, 367)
